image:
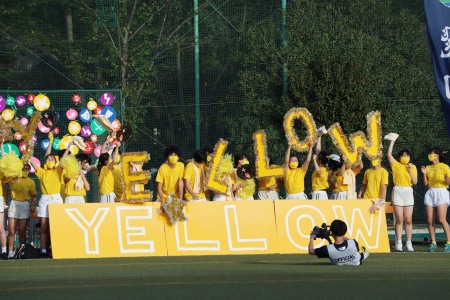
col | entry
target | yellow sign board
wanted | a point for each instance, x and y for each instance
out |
(213, 228)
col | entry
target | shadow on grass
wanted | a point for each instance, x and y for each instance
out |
(278, 263)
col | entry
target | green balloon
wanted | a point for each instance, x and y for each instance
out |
(97, 128)
(10, 101)
(30, 111)
(8, 147)
(56, 143)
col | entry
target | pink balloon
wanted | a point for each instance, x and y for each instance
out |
(71, 114)
(42, 128)
(24, 121)
(37, 162)
(97, 150)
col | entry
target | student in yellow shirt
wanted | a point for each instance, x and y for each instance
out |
(404, 174)
(50, 181)
(320, 174)
(269, 186)
(294, 181)
(342, 179)
(194, 175)
(76, 188)
(437, 178)
(170, 176)
(240, 183)
(105, 167)
(376, 180)
(22, 191)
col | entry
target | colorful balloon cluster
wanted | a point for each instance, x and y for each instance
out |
(80, 121)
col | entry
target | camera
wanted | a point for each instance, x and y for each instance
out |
(322, 232)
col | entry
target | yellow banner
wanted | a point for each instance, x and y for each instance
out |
(231, 227)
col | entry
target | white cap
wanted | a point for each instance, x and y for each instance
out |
(334, 157)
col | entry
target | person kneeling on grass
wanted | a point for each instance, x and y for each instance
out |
(343, 252)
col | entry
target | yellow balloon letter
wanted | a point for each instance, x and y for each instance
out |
(358, 141)
(134, 178)
(263, 169)
(308, 121)
(212, 181)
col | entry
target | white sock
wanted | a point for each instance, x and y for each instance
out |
(44, 251)
(408, 242)
(399, 241)
(3, 249)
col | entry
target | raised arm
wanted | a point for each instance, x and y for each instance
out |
(308, 158)
(319, 142)
(287, 156)
(114, 156)
(316, 165)
(391, 158)
(48, 151)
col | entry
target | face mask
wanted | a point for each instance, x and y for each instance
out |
(50, 164)
(244, 162)
(432, 157)
(173, 159)
(405, 160)
(208, 158)
(25, 174)
(375, 162)
(293, 164)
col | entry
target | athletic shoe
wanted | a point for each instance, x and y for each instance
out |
(432, 247)
(4, 256)
(409, 247)
(399, 247)
(447, 247)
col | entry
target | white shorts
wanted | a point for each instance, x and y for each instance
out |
(403, 196)
(339, 196)
(221, 197)
(74, 199)
(45, 201)
(2, 205)
(19, 210)
(437, 196)
(297, 196)
(268, 195)
(319, 195)
(108, 198)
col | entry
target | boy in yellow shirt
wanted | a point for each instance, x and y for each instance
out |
(194, 175)
(376, 180)
(170, 175)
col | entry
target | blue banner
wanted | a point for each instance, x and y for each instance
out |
(438, 27)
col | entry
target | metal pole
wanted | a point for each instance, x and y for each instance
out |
(197, 77)
(283, 44)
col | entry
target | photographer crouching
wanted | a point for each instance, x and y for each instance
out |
(343, 252)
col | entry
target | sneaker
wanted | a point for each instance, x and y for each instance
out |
(4, 256)
(432, 247)
(399, 247)
(409, 247)
(447, 247)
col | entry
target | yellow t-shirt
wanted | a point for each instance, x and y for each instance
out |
(374, 179)
(401, 175)
(106, 181)
(118, 182)
(189, 174)
(294, 181)
(339, 179)
(2, 176)
(435, 175)
(320, 181)
(23, 189)
(50, 180)
(169, 177)
(70, 188)
(265, 183)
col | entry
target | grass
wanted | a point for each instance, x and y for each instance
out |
(400, 275)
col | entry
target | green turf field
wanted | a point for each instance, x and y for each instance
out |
(417, 275)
